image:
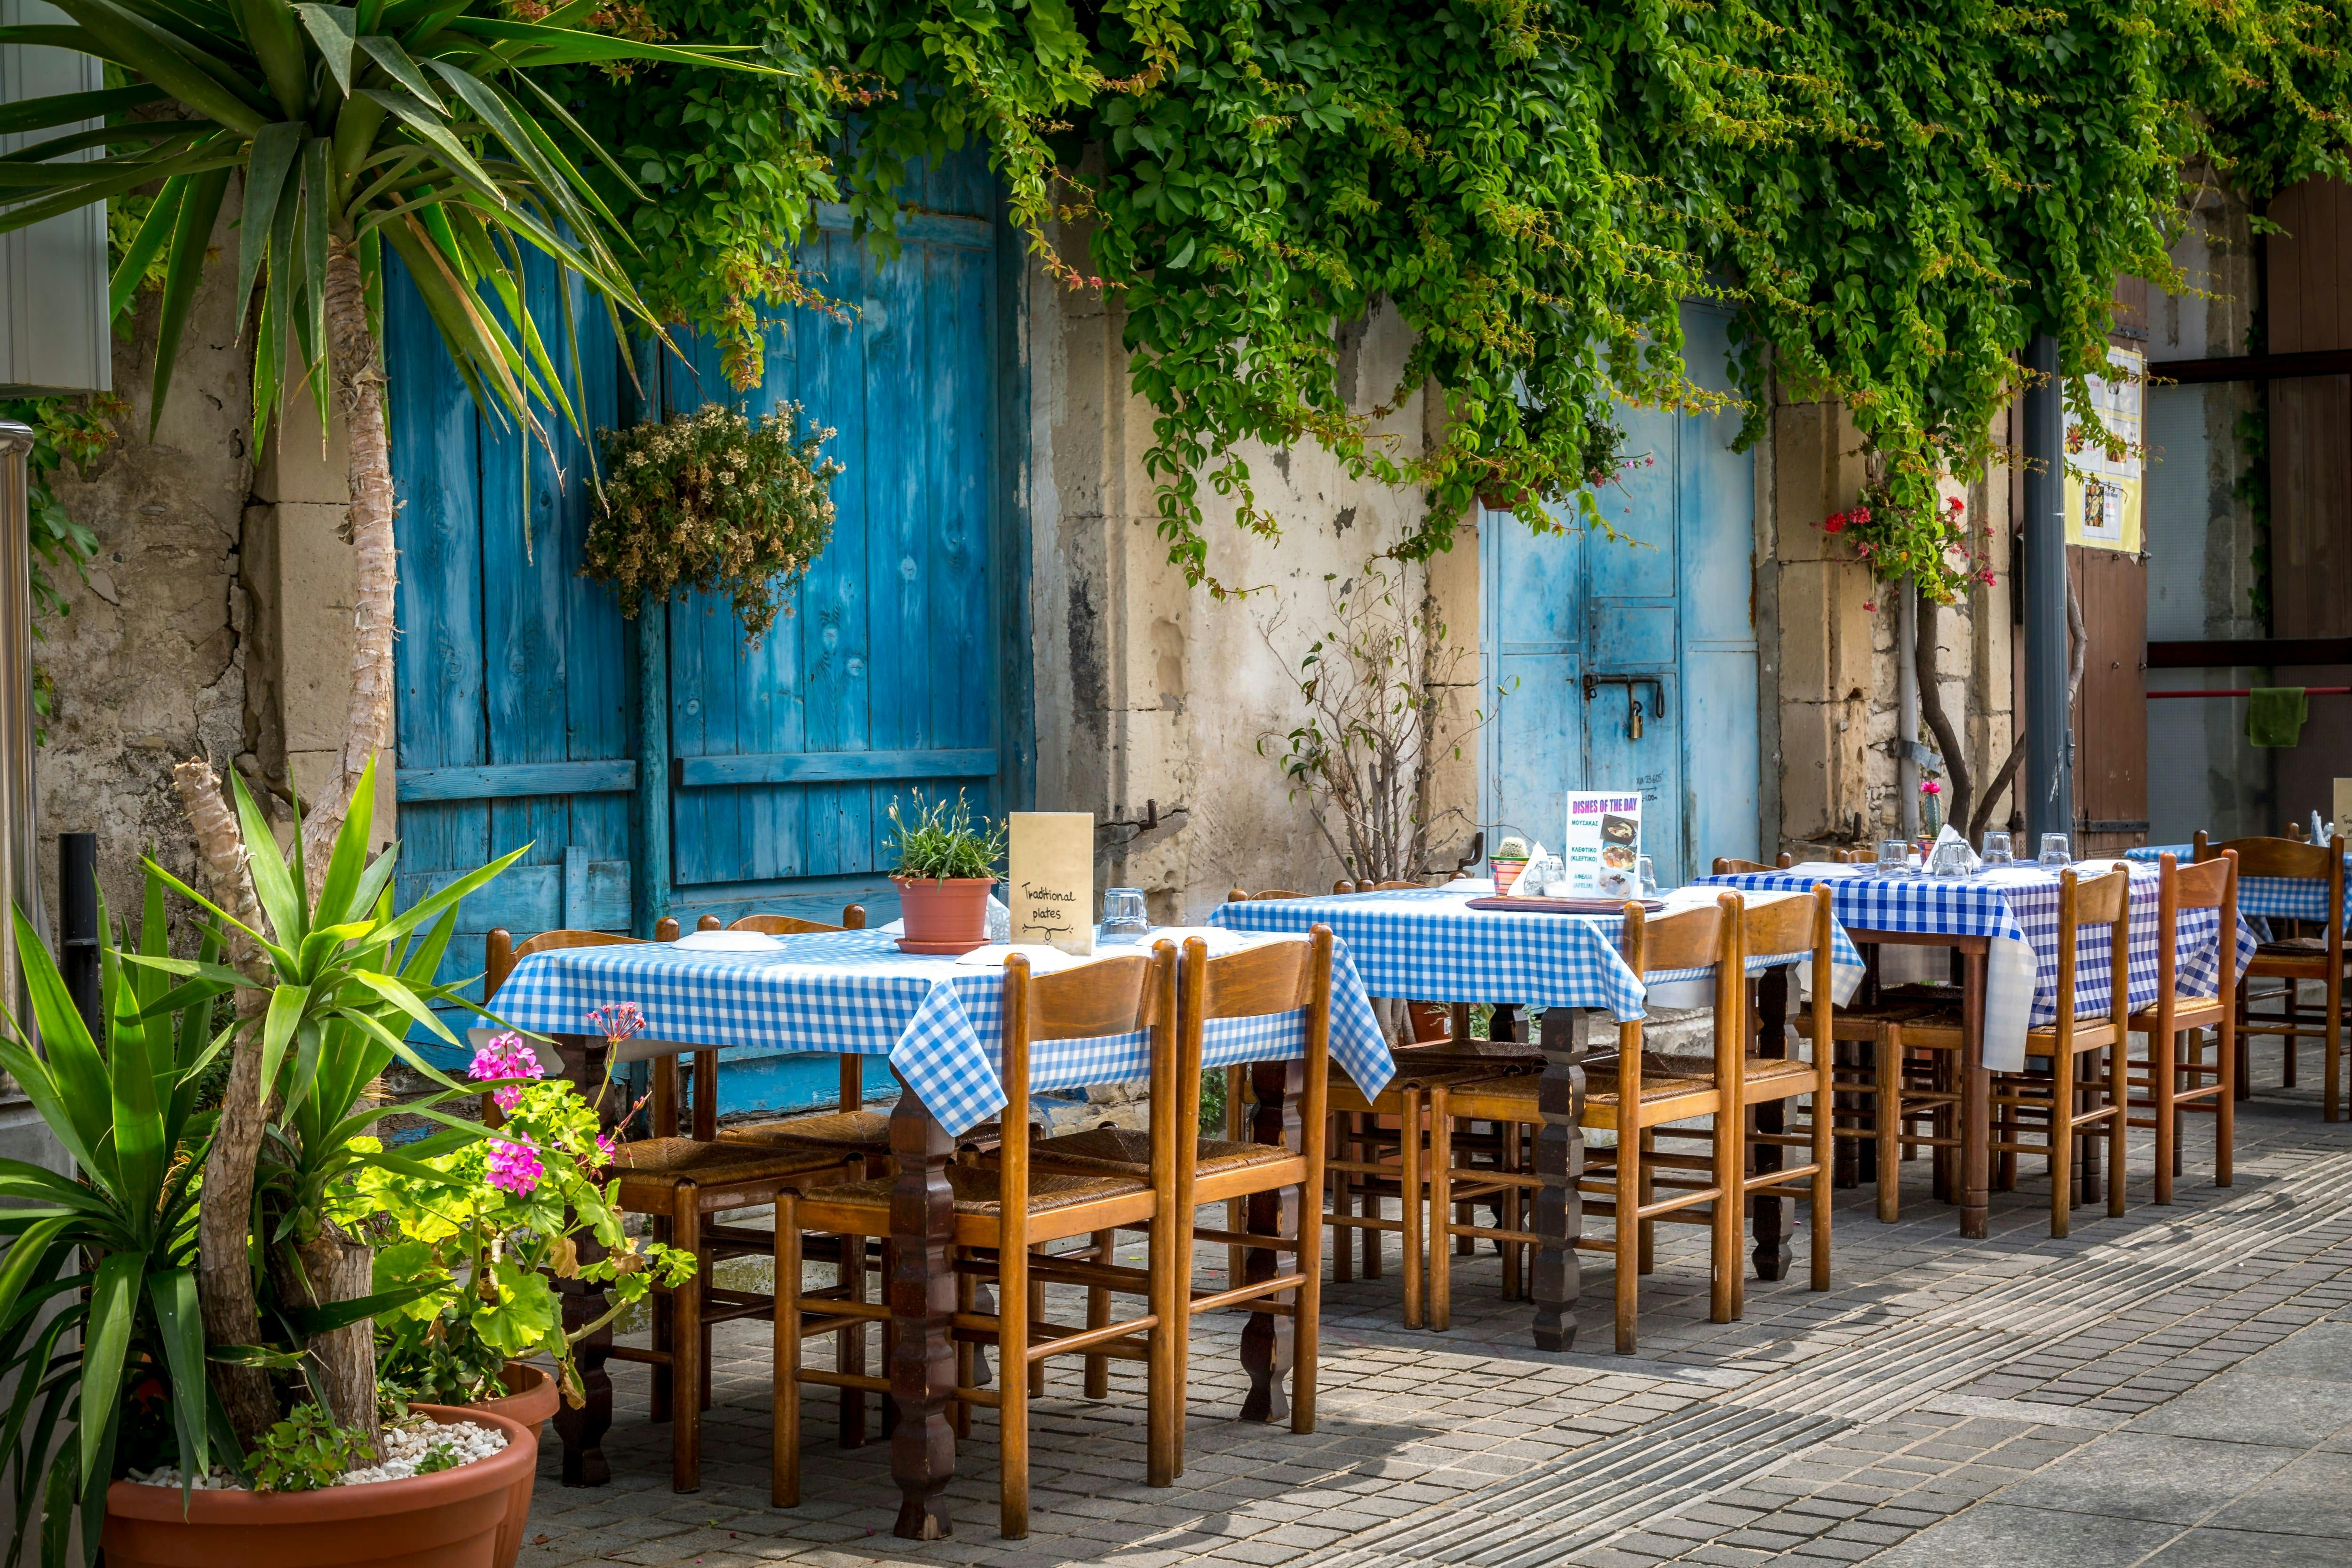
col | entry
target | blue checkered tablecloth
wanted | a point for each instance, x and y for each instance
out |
(2276, 898)
(854, 992)
(1427, 944)
(2020, 906)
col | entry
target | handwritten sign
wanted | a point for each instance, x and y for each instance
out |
(1604, 841)
(1053, 879)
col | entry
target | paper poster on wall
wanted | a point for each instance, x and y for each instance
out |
(2105, 479)
(1052, 879)
(1603, 841)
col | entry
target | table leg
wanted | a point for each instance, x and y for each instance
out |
(1269, 1342)
(1770, 1212)
(582, 1430)
(922, 1301)
(1559, 1165)
(1976, 1098)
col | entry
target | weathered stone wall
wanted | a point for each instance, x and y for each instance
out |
(150, 662)
(1828, 639)
(1149, 690)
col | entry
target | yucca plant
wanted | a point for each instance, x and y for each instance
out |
(413, 126)
(98, 1288)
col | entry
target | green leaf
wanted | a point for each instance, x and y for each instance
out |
(267, 175)
(180, 1324)
(447, 898)
(278, 1029)
(70, 1090)
(145, 246)
(273, 884)
(397, 65)
(113, 1308)
(201, 82)
(25, 1254)
(67, 108)
(400, 996)
(333, 29)
(191, 235)
(348, 857)
(400, 1047)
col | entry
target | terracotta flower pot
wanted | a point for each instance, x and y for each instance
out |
(532, 1402)
(947, 917)
(451, 1519)
(1507, 872)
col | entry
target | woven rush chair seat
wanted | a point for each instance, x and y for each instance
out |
(1125, 1151)
(2295, 947)
(692, 1159)
(865, 1131)
(981, 1191)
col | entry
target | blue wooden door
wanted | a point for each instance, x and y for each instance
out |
(514, 690)
(1580, 628)
(890, 672)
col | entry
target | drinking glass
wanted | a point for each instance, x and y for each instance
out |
(2056, 851)
(1893, 856)
(1123, 917)
(1645, 873)
(1999, 850)
(1950, 860)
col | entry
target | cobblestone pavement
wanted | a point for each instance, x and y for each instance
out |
(2172, 1388)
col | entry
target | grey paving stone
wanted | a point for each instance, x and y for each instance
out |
(1993, 1533)
(2247, 1548)
(2148, 1475)
(2312, 1496)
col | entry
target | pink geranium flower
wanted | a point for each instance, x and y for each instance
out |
(515, 1167)
(506, 1055)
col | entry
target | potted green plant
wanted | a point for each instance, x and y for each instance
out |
(228, 1380)
(1509, 859)
(711, 501)
(947, 867)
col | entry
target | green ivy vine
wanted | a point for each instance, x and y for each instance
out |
(1892, 196)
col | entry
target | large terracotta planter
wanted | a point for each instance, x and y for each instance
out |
(452, 1519)
(532, 1402)
(947, 917)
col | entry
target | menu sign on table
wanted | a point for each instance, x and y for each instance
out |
(1053, 879)
(1603, 842)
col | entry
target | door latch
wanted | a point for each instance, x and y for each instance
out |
(1593, 683)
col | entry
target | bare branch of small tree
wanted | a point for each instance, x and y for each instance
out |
(2008, 771)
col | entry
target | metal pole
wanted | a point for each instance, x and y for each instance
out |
(77, 924)
(1906, 707)
(19, 814)
(2049, 731)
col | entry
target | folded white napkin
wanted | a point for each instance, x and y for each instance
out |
(1952, 836)
(1043, 959)
(728, 942)
(1827, 868)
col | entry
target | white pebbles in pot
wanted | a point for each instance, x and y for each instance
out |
(407, 1449)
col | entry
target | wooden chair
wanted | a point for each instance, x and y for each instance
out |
(1000, 1212)
(2083, 1084)
(2169, 1081)
(1768, 1076)
(850, 1127)
(1727, 866)
(2294, 959)
(1274, 1173)
(1629, 1094)
(682, 1183)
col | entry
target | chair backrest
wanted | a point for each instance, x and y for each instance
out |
(501, 953)
(2207, 885)
(1110, 997)
(1702, 938)
(2097, 900)
(1770, 928)
(2288, 857)
(1391, 886)
(852, 917)
(1238, 896)
(1724, 865)
(1273, 977)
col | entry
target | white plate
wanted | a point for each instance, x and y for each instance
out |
(728, 942)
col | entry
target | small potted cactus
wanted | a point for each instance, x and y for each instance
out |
(1509, 859)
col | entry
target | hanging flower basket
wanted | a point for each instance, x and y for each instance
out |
(714, 501)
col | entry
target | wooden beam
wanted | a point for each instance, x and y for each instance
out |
(2266, 653)
(2253, 367)
(616, 776)
(829, 767)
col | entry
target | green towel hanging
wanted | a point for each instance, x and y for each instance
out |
(2274, 715)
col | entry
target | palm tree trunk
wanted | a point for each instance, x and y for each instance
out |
(232, 1315)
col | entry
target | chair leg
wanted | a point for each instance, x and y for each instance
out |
(1889, 1105)
(1036, 1315)
(1013, 1391)
(2225, 1105)
(966, 1361)
(1099, 1315)
(2116, 1102)
(1515, 1211)
(849, 1345)
(2062, 1139)
(2242, 1062)
(1306, 1345)
(1441, 1213)
(785, 1460)
(2161, 1086)
(1648, 1196)
(2332, 1104)
(686, 1347)
(1629, 1240)
(1409, 1181)
(1168, 1294)
(1343, 1198)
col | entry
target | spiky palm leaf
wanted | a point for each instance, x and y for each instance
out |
(413, 124)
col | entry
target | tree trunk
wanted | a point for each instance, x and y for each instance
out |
(1931, 708)
(358, 393)
(231, 1312)
(223, 1274)
(332, 1266)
